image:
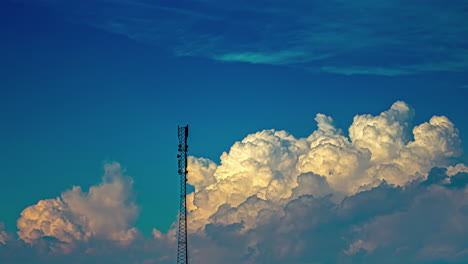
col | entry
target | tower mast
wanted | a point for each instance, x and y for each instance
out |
(182, 257)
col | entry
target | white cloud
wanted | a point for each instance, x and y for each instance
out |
(452, 170)
(372, 197)
(421, 222)
(106, 211)
(263, 164)
(201, 173)
(270, 168)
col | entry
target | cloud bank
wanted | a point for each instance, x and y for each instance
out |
(387, 192)
(424, 222)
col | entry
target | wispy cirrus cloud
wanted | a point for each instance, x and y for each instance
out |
(366, 71)
(284, 57)
(360, 37)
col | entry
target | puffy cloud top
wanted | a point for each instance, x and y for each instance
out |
(383, 135)
(275, 167)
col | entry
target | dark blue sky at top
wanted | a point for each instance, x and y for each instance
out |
(111, 80)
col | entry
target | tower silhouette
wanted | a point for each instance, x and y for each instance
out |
(182, 257)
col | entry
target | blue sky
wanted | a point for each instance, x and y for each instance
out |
(87, 83)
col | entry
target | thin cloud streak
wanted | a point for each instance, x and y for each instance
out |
(389, 38)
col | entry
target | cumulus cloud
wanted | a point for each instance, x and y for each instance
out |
(370, 196)
(429, 226)
(420, 222)
(106, 211)
(202, 172)
(268, 169)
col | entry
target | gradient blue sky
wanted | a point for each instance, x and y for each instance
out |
(94, 81)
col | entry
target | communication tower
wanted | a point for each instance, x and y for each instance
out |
(182, 257)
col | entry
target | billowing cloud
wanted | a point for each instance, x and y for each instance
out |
(385, 192)
(106, 211)
(430, 223)
(331, 198)
(421, 222)
(268, 169)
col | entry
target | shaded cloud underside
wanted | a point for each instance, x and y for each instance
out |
(423, 222)
(387, 38)
(372, 197)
